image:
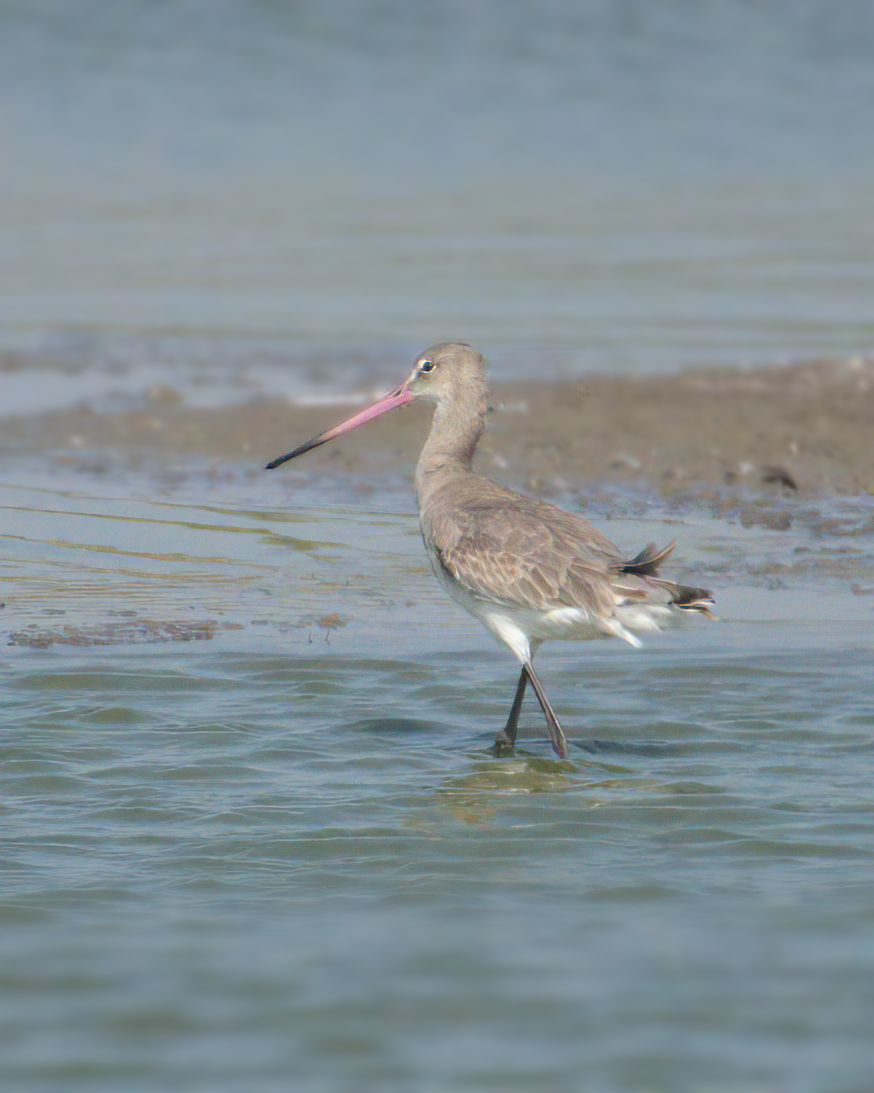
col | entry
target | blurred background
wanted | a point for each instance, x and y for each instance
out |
(624, 185)
(253, 838)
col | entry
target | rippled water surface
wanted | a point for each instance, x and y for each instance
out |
(253, 835)
(280, 851)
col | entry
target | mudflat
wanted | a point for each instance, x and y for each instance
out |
(807, 426)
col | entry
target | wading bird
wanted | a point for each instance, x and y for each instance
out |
(527, 570)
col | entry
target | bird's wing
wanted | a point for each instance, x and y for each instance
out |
(530, 556)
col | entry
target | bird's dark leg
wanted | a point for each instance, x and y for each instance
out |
(506, 738)
(556, 734)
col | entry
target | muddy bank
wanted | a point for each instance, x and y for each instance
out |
(805, 427)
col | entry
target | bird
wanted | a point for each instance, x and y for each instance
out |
(526, 569)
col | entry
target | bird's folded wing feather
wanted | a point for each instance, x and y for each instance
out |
(529, 558)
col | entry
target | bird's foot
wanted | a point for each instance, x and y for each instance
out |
(503, 744)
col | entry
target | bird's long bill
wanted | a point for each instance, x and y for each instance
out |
(396, 398)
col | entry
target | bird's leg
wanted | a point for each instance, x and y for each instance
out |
(506, 738)
(556, 734)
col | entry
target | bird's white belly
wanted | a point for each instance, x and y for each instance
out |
(568, 623)
(519, 627)
(523, 627)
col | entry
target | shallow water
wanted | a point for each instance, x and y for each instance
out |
(641, 185)
(253, 837)
(284, 852)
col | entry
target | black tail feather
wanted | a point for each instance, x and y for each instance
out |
(692, 599)
(647, 563)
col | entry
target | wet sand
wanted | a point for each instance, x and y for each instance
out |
(807, 427)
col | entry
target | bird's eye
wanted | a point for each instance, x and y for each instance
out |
(426, 366)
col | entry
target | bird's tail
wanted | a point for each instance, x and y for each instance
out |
(647, 563)
(690, 599)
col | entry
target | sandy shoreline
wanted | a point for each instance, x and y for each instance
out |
(807, 426)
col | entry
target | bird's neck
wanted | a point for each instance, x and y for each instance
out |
(455, 432)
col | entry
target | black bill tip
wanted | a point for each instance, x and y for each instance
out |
(310, 444)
